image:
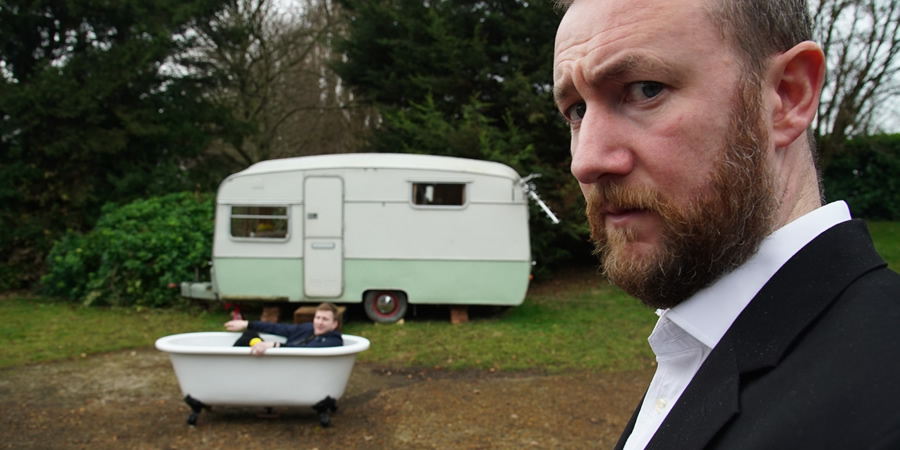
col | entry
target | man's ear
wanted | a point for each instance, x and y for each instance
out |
(796, 77)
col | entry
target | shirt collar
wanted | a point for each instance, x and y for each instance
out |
(709, 313)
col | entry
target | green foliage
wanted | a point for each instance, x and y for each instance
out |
(134, 252)
(39, 329)
(91, 112)
(471, 79)
(886, 236)
(867, 175)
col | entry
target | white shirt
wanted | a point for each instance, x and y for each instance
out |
(686, 334)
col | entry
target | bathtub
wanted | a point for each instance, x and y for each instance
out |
(212, 372)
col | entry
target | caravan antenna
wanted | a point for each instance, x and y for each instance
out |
(531, 190)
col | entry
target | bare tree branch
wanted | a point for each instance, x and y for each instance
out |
(862, 49)
(272, 64)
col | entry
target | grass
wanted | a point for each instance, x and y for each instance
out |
(35, 329)
(592, 327)
(581, 323)
(886, 236)
(587, 325)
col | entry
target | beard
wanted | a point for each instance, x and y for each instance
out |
(717, 230)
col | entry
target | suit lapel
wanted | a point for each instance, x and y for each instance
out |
(762, 334)
(630, 426)
(710, 400)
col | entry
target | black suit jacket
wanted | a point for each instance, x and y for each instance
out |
(813, 362)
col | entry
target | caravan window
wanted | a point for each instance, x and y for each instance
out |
(259, 222)
(439, 194)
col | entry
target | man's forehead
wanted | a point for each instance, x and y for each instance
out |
(591, 26)
(587, 18)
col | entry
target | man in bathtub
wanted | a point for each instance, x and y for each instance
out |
(322, 332)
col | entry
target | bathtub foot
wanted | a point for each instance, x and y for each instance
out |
(196, 407)
(329, 404)
(269, 413)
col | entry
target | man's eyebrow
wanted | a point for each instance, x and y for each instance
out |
(630, 63)
(641, 64)
(562, 90)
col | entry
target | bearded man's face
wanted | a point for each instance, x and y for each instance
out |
(715, 230)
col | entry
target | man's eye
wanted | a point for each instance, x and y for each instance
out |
(576, 112)
(644, 90)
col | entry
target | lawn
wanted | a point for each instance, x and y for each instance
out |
(583, 325)
(38, 329)
(575, 322)
(576, 325)
(886, 236)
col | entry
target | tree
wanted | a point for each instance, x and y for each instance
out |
(272, 65)
(861, 42)
(88, 114)
(470, 79)
(865, 176)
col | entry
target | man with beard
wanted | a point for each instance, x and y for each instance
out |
(778, 321)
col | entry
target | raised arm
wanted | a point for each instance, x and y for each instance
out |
(236, 325)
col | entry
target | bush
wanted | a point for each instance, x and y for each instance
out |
(866, 176)
(134, 253)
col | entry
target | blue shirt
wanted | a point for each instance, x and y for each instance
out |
(301, 335)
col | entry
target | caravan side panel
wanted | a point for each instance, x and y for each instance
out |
(260, 278)
(382, 222)
(443, 282)
(477, 253)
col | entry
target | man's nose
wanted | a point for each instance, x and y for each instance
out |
(601, 148)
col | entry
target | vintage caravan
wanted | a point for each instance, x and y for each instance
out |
(385, 230)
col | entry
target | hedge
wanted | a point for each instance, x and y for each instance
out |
(134, 253)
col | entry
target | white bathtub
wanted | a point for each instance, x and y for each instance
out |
(211, 372)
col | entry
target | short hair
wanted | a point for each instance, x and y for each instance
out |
(328, 306)
(758, 29)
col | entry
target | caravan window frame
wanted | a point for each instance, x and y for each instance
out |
(424, 184)
(259, 216)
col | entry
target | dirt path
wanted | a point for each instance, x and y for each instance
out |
(132, 400)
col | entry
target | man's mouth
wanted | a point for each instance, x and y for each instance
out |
(622, 216)
(616, 211)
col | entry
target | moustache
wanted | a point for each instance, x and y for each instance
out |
(614, 198)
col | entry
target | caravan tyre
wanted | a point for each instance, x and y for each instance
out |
(385, 306)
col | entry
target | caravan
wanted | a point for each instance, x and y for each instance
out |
(384, 230)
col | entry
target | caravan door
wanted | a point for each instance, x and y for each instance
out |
(323, 235)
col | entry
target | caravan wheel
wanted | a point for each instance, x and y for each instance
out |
(385, 306)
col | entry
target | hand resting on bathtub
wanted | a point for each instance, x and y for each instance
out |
(322, 332)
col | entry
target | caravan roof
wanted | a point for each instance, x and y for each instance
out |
(381, 161)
